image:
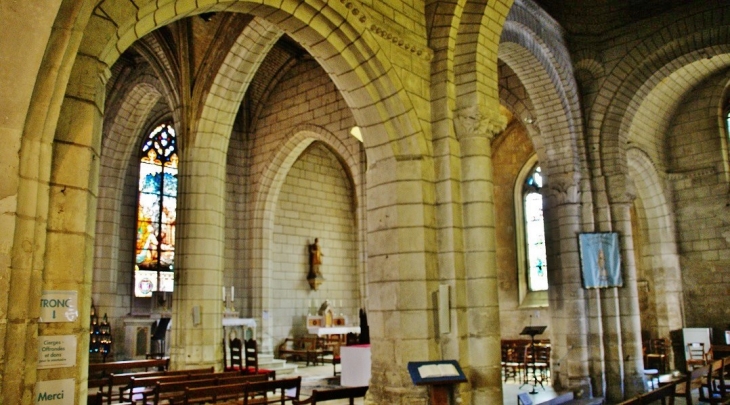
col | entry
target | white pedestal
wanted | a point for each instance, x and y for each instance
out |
(355, 365)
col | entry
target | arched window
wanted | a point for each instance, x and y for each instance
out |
(530, 232)
(535, 232)
(156, 213)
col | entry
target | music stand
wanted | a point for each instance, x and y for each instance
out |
(532, 331)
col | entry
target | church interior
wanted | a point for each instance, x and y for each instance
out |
(437, 177)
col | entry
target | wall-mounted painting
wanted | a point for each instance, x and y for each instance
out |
(600, 260)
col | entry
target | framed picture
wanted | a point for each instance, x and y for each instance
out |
(600, 260)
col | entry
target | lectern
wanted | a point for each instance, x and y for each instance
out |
(440, 376)
(533, 331)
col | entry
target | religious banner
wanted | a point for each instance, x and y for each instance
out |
(600, 260)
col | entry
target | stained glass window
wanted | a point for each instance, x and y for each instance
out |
(156, 213)
(535, 232)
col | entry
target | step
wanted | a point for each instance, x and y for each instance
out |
(267, 361)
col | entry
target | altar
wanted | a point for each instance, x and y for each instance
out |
(333, 330)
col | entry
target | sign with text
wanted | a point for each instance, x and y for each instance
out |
(56, 351)
(54, 392)
(59, 306)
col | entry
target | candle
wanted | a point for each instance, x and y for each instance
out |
(232, 294)
(224, 294)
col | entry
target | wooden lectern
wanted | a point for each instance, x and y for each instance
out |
(440, 376)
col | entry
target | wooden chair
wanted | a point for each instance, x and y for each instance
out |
(696, 355)
(336, 359)
(693, 381)
(513, 362)
(236, 353)
(656, 355)
(251, 360)
(714, 390)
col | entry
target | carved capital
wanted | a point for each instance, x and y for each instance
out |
(562, 189)
(621, 189)
(474, 121)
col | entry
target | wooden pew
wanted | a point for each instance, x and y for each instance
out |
(261, 392)
(337, 393)
(174, 391)
(665, 394)
(139, 384)
(101, 369)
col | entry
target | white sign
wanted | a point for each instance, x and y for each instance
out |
(54, 392)
(56, 351)
(59, 306)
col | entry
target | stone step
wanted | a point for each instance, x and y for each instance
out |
(267, 361)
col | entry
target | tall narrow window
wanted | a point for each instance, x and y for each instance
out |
(156, 213)
(535, 232)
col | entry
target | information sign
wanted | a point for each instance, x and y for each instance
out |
(54, 392)
(56, 351)
(59, 306)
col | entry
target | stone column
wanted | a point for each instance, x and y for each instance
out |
(402, 275)
(628, 304)
(198, 304)
(69, 242)
(475, 129)
(570, 352)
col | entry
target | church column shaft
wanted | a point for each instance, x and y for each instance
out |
(628, 302)
(481, 305)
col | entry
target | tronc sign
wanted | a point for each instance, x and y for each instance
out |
(54, 392)
(59, 306)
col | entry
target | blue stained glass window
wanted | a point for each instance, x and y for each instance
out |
(156, 214)
(535, 232)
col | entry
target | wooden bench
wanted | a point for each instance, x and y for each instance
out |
(139, 385)
(665, 394)
(174, 391)
(260, 392)
(102, 369)
(337, 393)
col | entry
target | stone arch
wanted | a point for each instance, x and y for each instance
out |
(267, 191)
(552, 90)
(338, 37)
(662, 246)
(475, 65)
(125, 124)
(637, 96)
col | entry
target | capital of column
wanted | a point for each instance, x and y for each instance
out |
(563, 188)
(621, 189)
(475, 121)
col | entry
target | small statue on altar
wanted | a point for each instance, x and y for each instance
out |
(323, 308)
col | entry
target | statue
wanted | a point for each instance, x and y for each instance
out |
(315, 261)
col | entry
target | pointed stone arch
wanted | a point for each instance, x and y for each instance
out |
(266, 198)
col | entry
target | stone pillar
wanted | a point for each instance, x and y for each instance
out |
(480, 305)
(198, 304)
(570, 352)
(402, 276)
(628, 306)
(70, 232)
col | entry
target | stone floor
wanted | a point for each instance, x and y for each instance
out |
(321, 376)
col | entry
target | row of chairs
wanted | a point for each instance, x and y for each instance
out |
(522, 362)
